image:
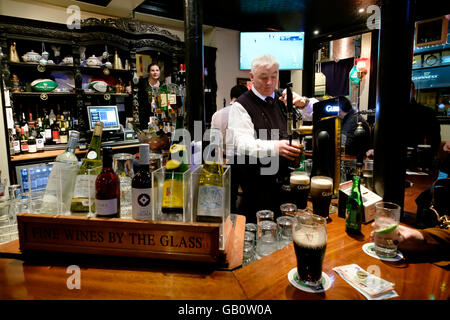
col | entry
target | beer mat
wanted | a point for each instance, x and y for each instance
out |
(369, 285)
(369, 249)
(295, 281)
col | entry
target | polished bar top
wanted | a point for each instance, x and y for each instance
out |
(120, 278)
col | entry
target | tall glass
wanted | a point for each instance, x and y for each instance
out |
(300, 185)
(309, 235)
(321, 192)
(123, 167)
(387, 217)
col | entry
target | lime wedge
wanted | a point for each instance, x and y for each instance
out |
(386, 230)
(172, 164)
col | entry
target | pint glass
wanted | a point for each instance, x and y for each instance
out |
(300, 184)
(321, 192)
(309, 235)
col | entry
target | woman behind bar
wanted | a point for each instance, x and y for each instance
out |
(144, 97)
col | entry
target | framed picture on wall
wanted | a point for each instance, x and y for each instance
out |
(244, 81)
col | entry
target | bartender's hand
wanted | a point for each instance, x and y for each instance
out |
(297, 100)
(447, 146)
(287, 151)
(407, 238)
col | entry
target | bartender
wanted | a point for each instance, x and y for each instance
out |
(144, 94)
(257, 128)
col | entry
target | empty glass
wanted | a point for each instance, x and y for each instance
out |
(266, 238)
(263, 215)
(249, 248)
(284, 230)
(288, 209)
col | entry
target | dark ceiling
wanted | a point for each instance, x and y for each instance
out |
(327, 16)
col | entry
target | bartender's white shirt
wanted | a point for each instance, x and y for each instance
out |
(241, 132)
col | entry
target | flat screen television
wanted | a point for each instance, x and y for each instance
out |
(287, 47)
(106, 114)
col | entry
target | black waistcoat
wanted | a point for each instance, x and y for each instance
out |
(265, 115)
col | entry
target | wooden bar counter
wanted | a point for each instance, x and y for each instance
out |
(266, 279)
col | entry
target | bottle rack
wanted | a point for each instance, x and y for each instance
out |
(156, 239)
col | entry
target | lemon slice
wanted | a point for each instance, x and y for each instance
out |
(172, 164)
(387, 230)
(177, 147)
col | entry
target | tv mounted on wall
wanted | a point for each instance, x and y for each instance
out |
(287, 47)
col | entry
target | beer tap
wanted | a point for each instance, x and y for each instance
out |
(294, 117)
(290, 112)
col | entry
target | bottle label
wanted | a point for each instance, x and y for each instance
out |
(106, 207)
(85, 186)
(48, 134)
(40, 143)
(172, 194)
(16, 145)
(92, 155)
(141, 203)
(63, 138)
(210, 201)
(24, 146)
(32, 148)
(55, 135)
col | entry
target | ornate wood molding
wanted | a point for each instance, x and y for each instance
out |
(128, 25)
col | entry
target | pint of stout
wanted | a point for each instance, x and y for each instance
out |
(299, 184)
(321, 192)
(309, 234)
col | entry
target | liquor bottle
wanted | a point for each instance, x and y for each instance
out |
(62, 179)
(32, 142)
(85, 180)
(172, 197)
(31, 121)
(210, 201)
(141, 186)
(23, 141)
(107, 189)
(354, 208)
(55, 133)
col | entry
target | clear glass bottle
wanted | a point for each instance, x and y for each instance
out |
(59, 189)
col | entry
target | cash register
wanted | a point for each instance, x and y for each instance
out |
(109, 116)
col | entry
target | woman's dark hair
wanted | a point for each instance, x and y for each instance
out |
(151, 65)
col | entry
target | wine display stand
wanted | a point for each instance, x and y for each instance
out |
(166, 240)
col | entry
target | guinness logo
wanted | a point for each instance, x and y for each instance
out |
(143, 200)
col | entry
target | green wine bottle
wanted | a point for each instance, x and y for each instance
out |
(354, 209)
(84, 191)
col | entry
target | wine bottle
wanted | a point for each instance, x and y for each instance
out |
(141, 186)
(16, 142)
(63, 135)
(354, 208)
(85, 180)
(23, 141)
(32, 142)
(210, 201)
(55, 133)
(47, 130)
(59, 190)
(172, 197)
(107, 189)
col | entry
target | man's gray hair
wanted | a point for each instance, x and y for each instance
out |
(265, 60)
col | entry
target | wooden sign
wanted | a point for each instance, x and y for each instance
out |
(119, 237)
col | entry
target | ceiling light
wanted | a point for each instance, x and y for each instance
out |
(361, 10)
(316, 31)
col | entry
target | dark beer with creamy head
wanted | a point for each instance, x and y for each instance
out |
(321, 192)
(299, 184)
(310, 243)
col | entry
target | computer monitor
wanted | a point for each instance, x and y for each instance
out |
(106, 114)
